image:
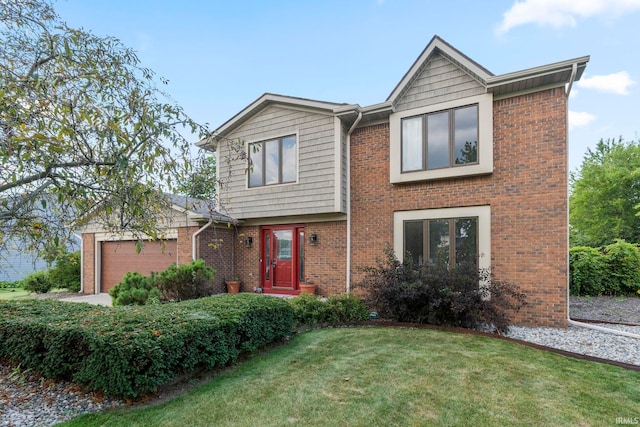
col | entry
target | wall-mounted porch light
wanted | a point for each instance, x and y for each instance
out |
(248, 241)
(313, 239)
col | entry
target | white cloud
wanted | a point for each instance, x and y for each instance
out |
(617, 83)
(578, 119)
(561, 13)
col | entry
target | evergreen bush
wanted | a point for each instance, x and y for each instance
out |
(66, 271)
(134, 289)
(37, 282)
(185, 281)
(128, 351)
(310, 309)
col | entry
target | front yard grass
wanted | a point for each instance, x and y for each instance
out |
(12, 293)
(401, 377)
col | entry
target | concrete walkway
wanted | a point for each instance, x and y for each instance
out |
(99, 299)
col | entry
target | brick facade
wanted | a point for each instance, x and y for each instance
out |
(325, 263)
(216, 247)
(89, 263)
(527, 193)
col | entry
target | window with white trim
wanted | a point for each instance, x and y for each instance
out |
(273, 161)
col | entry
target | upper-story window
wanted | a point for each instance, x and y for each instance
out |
(273, 161)
(441, 139)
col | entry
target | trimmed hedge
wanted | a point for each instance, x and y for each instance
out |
(128, 351)
(310, 309)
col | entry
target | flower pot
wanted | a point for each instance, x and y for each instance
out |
(233, 286)
(307, 288)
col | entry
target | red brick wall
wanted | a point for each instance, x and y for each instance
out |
(325, 263)
(185, 244)
(247, 261)
(88, 262)
(527, 193)
(215, 247)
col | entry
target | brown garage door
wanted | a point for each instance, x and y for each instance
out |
(118, 258)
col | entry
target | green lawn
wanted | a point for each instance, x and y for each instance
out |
(398, 377)
(12, 293)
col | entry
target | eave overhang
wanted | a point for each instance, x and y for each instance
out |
(551, 75)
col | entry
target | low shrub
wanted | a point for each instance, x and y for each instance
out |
(611, 270)
(9, 285)
(183, 282)
(310, 309)
(128, 351)
(623, 262)
(37, 282)
(461, 296)
(134, 289)
(66, 271)
(587, 271)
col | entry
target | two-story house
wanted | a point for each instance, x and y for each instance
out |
(456, 162)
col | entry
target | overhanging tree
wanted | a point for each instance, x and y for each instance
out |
(605, 195)
(201, 183)
(84, 131)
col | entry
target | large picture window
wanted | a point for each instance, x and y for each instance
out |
(449, 241)
(441, 139)
(273, 161)
(452, 236)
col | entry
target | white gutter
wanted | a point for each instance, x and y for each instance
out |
(194, 251)
(349, 199)
(79, 237)
(573, 322)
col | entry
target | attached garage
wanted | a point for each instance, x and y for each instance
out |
(188, 227)
(120, 257)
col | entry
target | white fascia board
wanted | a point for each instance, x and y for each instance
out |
(543, 70)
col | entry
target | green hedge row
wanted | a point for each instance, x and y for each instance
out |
(128, 351)
(310, 310)
(609, 270)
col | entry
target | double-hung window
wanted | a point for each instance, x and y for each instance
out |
(273, 161)
(441, 139)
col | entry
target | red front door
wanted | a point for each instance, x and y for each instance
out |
(282, 258)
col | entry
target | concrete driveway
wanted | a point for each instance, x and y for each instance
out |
(99, 299)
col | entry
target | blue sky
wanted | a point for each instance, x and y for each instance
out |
(219, 56)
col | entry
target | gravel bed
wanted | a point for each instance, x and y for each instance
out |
(27, 399)
(585, 341)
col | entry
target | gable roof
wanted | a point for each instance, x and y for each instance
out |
(546, 76)
(556, 74)
(268, 99)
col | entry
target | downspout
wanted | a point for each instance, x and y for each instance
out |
(194, 248)
(574, 71)
(79, 237)
(349, 200)
(573, 322)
